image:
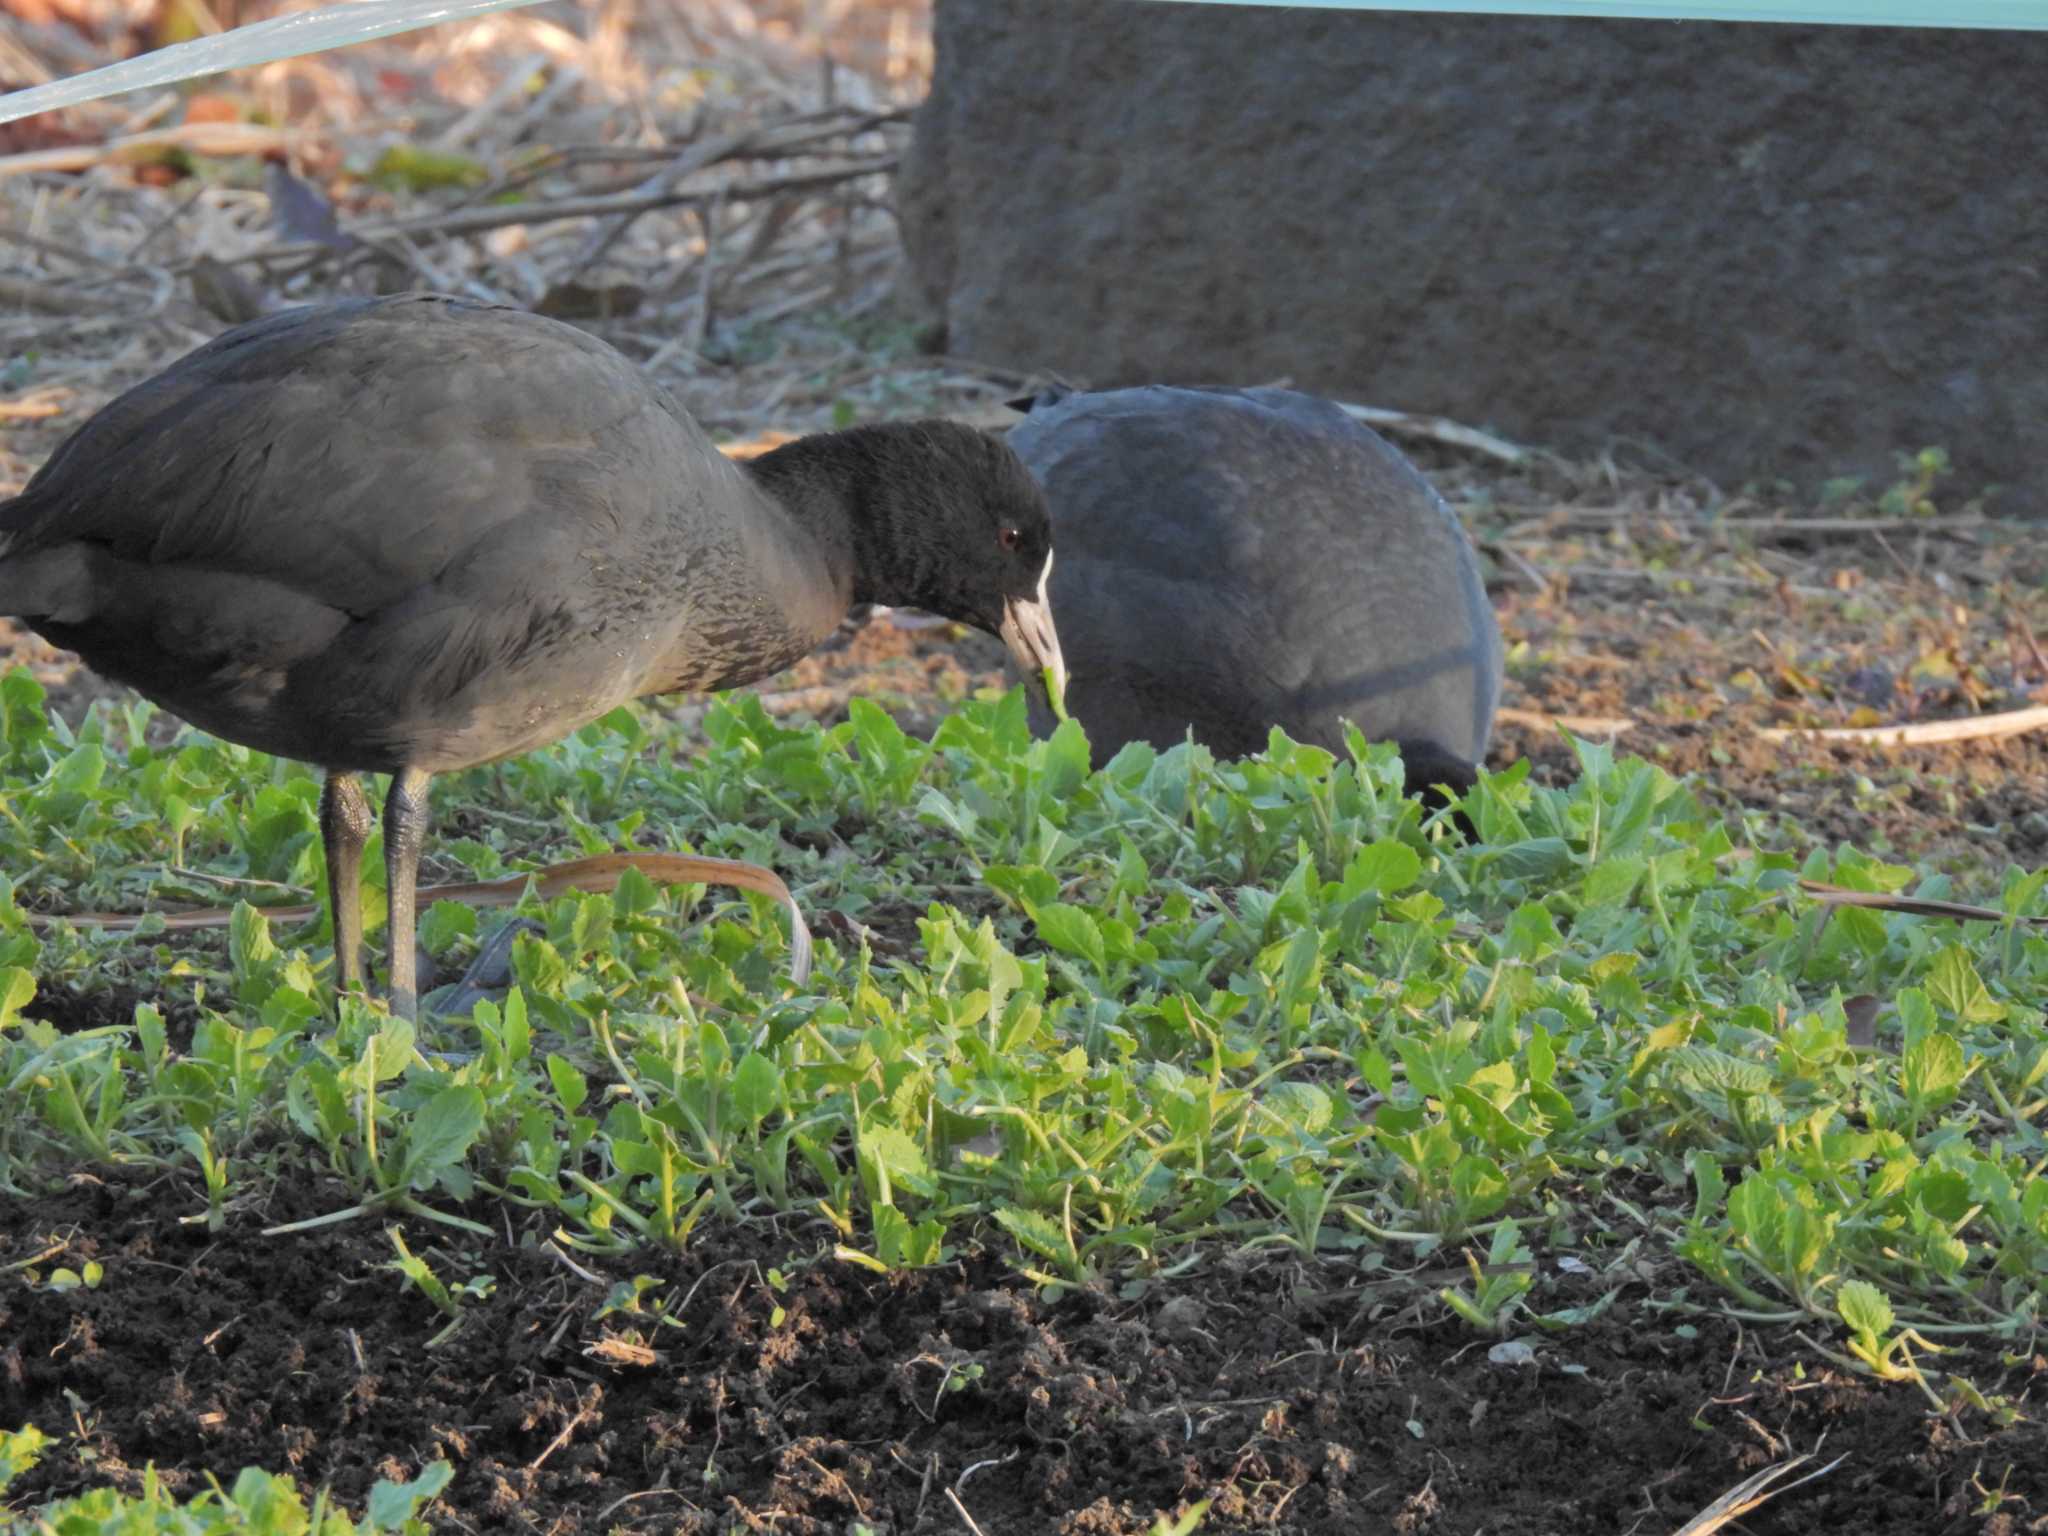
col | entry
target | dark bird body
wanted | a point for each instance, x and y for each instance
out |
(1235, 559)
(414, 534)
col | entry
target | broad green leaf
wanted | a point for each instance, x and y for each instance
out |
(444, 923)
(896, 1159)
(20, 1449)
(17, 991)
(756, 1087)
(1710, 1186)
(1532, 933)
(1384, 866)
(570, 1085)
(81, 771)
(1071, 930)
(1036, 1232)
(1954, 985)
(1932, 1069)
(1301, 1106)
(392, 1504)
(250, 946)
(1864, 1308)
(443, 1130)
(1701, 1066)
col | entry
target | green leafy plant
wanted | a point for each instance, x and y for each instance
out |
(1096, 1018)
(419, 1274)
(256, 1504)
(1499, 1286)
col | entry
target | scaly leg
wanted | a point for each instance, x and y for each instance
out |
(405, 827)
(344, 829)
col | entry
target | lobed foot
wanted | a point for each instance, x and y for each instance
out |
(489, 974)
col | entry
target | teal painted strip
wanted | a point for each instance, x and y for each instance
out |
(2013, 15)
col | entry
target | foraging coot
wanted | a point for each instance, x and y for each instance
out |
(412, 534)
(1235, 559)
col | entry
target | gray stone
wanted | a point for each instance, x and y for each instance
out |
(1757, 250)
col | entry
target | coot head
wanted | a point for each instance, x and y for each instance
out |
(941, 517)
(1003, 573)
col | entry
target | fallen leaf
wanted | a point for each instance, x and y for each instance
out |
(299, 212)
(620, 1351)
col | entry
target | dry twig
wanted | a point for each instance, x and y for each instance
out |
(475, 221)
(1588, 725)
(2011, 722)
(218, 139)
(1962, 912)
(1439, 429)
(595, 875)
(1751, 1493)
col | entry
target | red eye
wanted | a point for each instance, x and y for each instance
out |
(1009, 538)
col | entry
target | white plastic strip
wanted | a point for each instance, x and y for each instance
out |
(261, 42)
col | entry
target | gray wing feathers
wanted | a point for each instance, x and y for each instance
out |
(1266, 532)
(406, 423)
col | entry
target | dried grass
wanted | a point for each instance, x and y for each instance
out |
(705, 185)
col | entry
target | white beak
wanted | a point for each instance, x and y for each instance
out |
(1028, 631)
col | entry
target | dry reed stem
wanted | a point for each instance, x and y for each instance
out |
(1922, 733)
(2011, 722)
(219, 139)
(1584, 725)
(1963, 912)
(1751, 1493)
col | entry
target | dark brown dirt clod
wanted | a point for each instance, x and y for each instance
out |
(1092, 1414)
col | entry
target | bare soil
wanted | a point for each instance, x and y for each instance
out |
(1289, 1396)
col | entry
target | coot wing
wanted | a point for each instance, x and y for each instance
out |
(1257, 551)
(352, 452)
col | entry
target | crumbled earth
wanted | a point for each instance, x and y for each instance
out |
(1289, 1396)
